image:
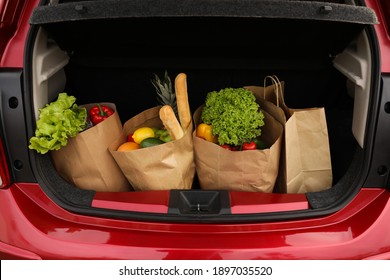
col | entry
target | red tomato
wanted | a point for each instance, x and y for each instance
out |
(226, 146)
(249, 146)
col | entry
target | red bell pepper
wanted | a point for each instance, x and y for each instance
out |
(99, 113)
(130, 138)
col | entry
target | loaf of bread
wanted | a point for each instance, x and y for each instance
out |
(183, 107)
(172, 125)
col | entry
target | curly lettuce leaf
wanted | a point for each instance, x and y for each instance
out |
(233, 114)
(57, 122)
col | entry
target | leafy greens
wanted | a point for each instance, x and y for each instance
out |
(233, 114)
(57, 122)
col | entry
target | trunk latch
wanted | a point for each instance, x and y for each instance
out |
(199, 202)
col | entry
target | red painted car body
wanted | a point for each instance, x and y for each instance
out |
(40, 229)
(33, 226)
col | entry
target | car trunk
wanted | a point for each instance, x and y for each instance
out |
(108, 51)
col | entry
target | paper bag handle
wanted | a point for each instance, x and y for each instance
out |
(278, 88)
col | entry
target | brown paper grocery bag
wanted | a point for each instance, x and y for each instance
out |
(266, 97)
(308, 159)
(86, 162)
(305, 161)
(252, 171)
(162, 167)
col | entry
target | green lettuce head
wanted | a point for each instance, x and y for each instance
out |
(234, 115)
(57, 122)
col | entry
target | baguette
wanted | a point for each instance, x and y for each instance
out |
(172, 125)
(183, 106)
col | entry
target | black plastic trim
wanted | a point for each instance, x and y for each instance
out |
(14, 126)
(202, 8)
(380, 164)
(199, 202)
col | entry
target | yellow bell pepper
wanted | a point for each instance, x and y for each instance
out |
(205, 131)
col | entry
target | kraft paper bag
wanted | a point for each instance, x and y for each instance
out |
(305, 161)
(266, 97)
(86, 162)
(162, 167)
(250, 171)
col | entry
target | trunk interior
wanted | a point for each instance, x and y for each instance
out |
(99, 54)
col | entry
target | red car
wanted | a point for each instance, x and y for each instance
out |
(333, 54)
